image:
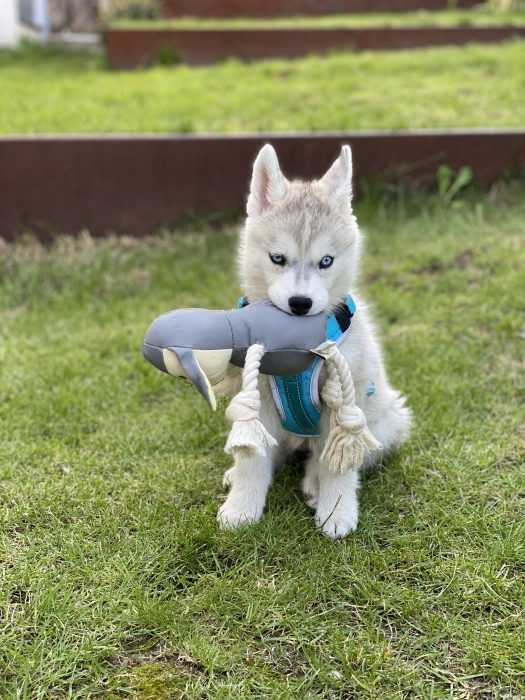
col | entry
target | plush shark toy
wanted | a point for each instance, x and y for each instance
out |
(199, 344)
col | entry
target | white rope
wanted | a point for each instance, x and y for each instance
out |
(349, 437)
(248, 435)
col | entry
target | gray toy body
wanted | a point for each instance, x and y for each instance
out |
(198, 344)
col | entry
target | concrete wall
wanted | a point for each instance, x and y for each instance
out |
(8, 23)
(40, 17)
(34, 13)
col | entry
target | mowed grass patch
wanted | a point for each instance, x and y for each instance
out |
(52, 91)
(481, 16)
(116, 581)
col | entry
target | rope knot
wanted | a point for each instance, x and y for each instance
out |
(349, 437)
(245, 406)
(352, 418)
(248, 435)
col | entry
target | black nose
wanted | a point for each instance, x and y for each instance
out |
(300, 306)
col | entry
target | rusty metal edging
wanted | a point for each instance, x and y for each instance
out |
(135, 184)
(129, 48)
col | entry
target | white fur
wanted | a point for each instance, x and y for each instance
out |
(305, 222)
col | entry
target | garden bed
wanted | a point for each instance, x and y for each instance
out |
(130, 48)
(136, 184)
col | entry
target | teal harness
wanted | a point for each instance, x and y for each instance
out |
(297, 396)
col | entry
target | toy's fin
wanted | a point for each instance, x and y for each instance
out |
(201, 367)
(214, 363)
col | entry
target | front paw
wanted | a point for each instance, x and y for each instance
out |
(237, 511)
(338, 521)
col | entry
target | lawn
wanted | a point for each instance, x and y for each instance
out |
(478, 17)
(116, 581)
(50, 91)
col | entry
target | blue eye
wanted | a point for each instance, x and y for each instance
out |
(278, 259)
(326, 262)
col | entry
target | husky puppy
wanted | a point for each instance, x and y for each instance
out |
(300, 248)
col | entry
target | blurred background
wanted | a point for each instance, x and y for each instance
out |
(139, 82)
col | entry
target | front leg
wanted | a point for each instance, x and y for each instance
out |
(250, 477)
(249, 480)
(332, 496)
(336, 503)
(337, 511)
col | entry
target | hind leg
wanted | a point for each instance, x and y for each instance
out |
(391, 427)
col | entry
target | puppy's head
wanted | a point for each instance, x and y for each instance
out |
(300, 243)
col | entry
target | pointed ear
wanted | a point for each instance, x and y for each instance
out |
(268, 185)
(338, 180)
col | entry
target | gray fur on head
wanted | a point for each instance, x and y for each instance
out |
(303, 222)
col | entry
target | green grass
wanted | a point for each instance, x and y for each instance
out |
(482, 16)
(477, 86)
(116, 581)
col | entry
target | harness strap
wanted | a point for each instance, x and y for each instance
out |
(296, 396)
